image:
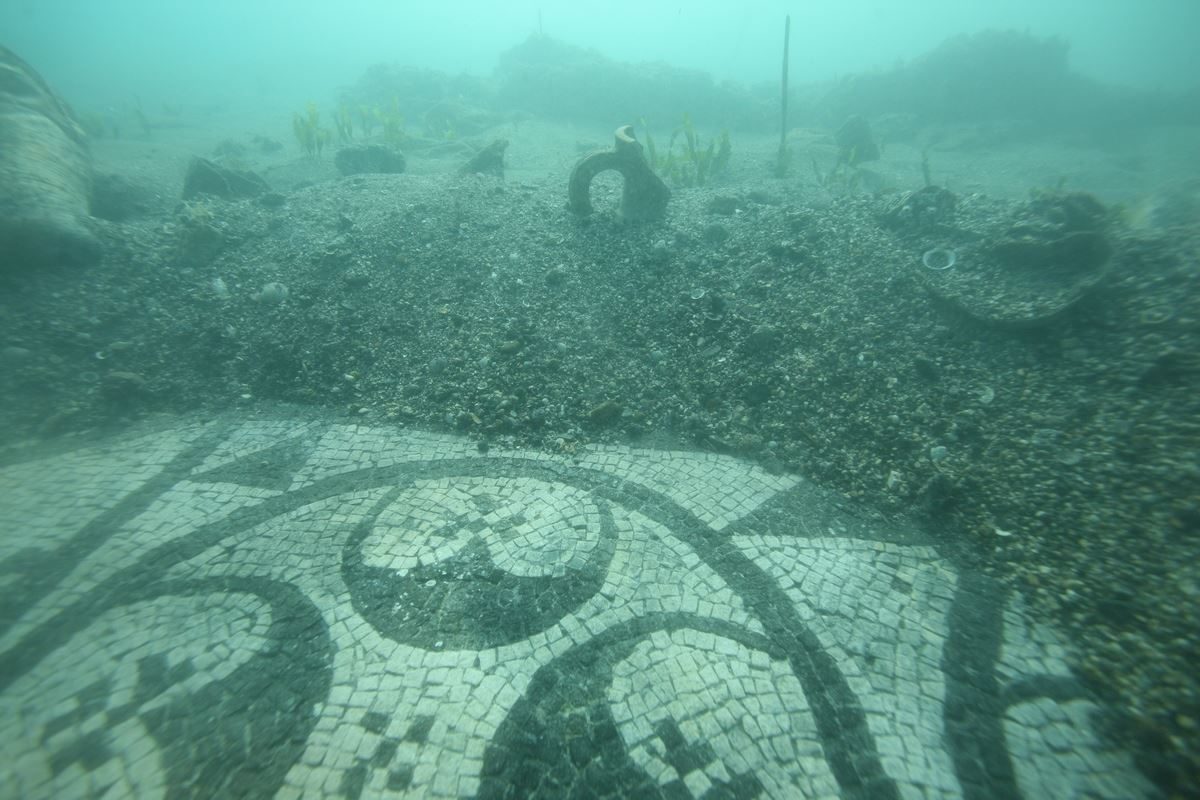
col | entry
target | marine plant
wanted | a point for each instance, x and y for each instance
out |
(392, 123)
(693, 164)
(343, 120)
(368, 118)
(440, 123)
(441, 129)
(309, 133)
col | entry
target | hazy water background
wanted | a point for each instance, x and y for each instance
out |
(272, 54)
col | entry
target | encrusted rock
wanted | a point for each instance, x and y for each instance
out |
(45, 174)
(1038, 269)
(923, 209)
(856, 144)
(606, 412)
(488, 161)
(206, 177)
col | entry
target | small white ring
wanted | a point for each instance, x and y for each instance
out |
(939, 253)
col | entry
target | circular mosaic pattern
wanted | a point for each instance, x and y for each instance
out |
(299, 608)
(487, 561)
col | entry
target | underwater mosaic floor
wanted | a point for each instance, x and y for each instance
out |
(296, 608)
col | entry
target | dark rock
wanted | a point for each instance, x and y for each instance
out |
(925, 208)
(1070, 211)
(937, 497)
(205, 177)
(488, 161)
(606, 412)
(855, 141)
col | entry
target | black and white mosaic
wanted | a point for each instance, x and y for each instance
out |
(296, 608)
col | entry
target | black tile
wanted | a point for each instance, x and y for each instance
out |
(384, 753)
(418, 731)
(375, 721)
(89, 751)
(400, 778)
(353, 781)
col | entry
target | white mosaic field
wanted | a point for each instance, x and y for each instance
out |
(296, 608)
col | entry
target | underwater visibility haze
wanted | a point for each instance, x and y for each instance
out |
(616, 400)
